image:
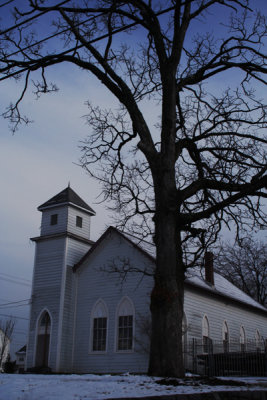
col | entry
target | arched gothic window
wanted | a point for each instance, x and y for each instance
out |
(242, 339)
(258, 340)
(206, 334)
(225, 337)
(125, 325)
(99, 326)
(43, 340)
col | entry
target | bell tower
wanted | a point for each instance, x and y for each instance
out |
(63, 240)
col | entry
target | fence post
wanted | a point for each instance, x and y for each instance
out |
(194, 356)
(210, 359)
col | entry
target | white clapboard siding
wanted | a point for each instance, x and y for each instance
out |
(67, 324)
(46, 292)
(84, 231)
(62, 220)
(70, 297)
(197, 304)
(66, 221)
(75, 250)
(53, 281)
(95, 284)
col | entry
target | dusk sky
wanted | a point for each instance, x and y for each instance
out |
(36, 163)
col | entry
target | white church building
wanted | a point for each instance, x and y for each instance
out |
(88, 315)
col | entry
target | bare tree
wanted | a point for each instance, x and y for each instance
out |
(6, 331)
(245, 265)
(201, 164)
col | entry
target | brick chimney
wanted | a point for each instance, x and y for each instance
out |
(209, 273)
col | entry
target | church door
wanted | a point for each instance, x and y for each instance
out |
(43, 340)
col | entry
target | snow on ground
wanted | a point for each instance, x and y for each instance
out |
(94, 387)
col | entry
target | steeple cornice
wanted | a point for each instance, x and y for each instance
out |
(61, 235)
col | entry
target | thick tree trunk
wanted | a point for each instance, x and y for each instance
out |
(167, 297)
(166, 355)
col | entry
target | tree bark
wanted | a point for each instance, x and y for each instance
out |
(167, 297)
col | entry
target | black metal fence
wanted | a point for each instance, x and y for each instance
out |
(220, 358)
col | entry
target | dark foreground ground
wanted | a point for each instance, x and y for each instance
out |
(247, 395)
(243, 394)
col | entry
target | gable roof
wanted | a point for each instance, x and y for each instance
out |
(109, 230)
(222, 287)
(194, 276)
(66, 196)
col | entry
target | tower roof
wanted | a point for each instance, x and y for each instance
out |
(67, 196)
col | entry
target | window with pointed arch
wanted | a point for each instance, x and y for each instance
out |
(206, 334)
(99, 327)
(225, 337)
(125, 327)
(242, 338)
(258, 340)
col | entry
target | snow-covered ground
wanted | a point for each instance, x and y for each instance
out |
(93, 387)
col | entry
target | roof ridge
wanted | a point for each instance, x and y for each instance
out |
(136, 237)
(67, 195)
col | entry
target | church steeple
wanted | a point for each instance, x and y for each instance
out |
(66, 212)
(63, 240)
(66, 196)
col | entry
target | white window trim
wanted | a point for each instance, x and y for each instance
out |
(242, 336)
(206, 334)
(258, 339)
(92, 317)
(116, 350)
(79, 218)
(225, 324)
(205, 319)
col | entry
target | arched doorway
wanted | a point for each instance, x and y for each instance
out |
(43, 340)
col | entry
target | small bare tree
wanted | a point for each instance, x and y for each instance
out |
(245, 265)
(6, 331)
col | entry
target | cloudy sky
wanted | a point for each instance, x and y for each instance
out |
(36, 163)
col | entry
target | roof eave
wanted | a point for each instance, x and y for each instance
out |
(210, 290)
(61, 235)
(67, 203)
(102, 237)
(214, 293)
